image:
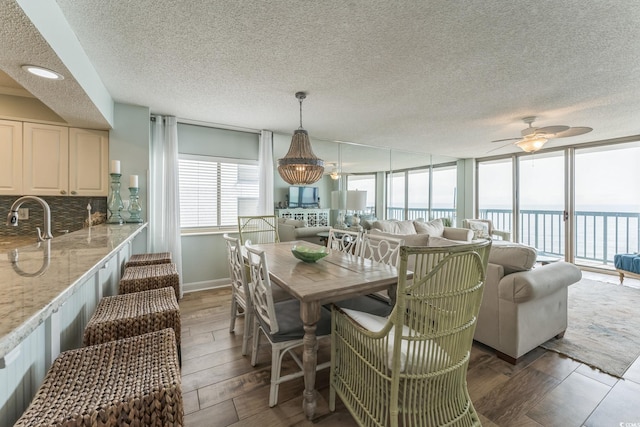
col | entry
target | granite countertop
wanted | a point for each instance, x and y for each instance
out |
(34, 287)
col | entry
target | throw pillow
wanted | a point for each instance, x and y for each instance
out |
(385, 226)
(406, 227)
(480, 229)
(513, 257)
(432, 228)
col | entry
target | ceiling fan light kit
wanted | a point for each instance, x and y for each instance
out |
(531, 145)
(533, 139)
(335, 175)
(300, 166)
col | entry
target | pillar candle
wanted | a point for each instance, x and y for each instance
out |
(133, 181)
(115, 166)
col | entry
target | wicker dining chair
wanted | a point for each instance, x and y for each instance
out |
(258, 229)
(240, 298)
(410, 369)
(280, 322)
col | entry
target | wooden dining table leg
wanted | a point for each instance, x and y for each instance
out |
(310, 315)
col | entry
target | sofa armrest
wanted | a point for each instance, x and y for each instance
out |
(504, 235)
(538, 282)
(460, 234)
(286, 232)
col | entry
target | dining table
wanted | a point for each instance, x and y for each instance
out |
(336, 277)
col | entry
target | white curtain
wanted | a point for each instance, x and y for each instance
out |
(164, 199)
(265, 173)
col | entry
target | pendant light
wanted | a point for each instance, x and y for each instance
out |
(300, 166)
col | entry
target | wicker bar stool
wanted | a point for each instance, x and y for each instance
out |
(133, 381)
(138, 260)
(146, 277)
(128, 315)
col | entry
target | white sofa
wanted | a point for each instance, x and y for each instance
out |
(523, 305)
(291, 229)
(418, 233)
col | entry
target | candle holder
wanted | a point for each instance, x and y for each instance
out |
(114, 205)
(134, 207)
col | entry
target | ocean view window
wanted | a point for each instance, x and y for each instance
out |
(581, 204)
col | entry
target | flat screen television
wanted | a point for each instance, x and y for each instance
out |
(303, 197)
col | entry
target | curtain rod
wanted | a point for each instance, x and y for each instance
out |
(210, 125)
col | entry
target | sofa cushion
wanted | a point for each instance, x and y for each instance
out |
(430, 356)
(513, 257)
(296, 223)
(395, 227)
(480, 229)
(432, 228)
(409, 239)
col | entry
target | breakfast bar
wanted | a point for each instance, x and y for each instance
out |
(48, 292)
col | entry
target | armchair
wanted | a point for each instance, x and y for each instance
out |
(410, 368)
(483, 228)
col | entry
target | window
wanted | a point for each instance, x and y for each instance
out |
(418, 194)
(396, 195)
(444, 192)
(495, 192)
(364, 183)
(214, 191)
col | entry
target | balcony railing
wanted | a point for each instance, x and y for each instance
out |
(599, 235)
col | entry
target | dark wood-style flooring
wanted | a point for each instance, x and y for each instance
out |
(221, 388)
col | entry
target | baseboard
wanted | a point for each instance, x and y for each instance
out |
(207, 284)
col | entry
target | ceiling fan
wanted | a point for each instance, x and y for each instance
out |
(534, 138)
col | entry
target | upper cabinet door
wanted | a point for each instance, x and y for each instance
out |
(88, 162)
(45, 160)
(10, 157)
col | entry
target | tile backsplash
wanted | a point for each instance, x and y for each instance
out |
(67, 213)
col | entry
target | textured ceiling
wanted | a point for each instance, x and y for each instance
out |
(435, 77)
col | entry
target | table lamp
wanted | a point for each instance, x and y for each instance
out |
(339, 203)
(357, 202)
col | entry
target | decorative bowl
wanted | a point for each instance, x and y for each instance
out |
(307, 254)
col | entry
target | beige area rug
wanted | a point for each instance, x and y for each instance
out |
(604, 326)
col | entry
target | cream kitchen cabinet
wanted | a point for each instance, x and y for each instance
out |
(57, 160)
(10, 157)
(88, 162)
(45, 160)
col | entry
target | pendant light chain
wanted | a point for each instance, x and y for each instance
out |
(301, 96)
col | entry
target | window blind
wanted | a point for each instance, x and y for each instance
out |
(214, 192)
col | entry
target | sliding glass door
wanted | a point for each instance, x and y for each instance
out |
(607, 203)
(495, 192)
(542, 202)
(581, 204)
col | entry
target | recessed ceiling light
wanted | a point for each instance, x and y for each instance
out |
(43, 72)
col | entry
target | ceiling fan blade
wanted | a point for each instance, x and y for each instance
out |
(502, 146)
(573, 131)
(551, 130)
(507, 139)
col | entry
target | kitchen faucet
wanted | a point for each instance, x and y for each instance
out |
(12, 218)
